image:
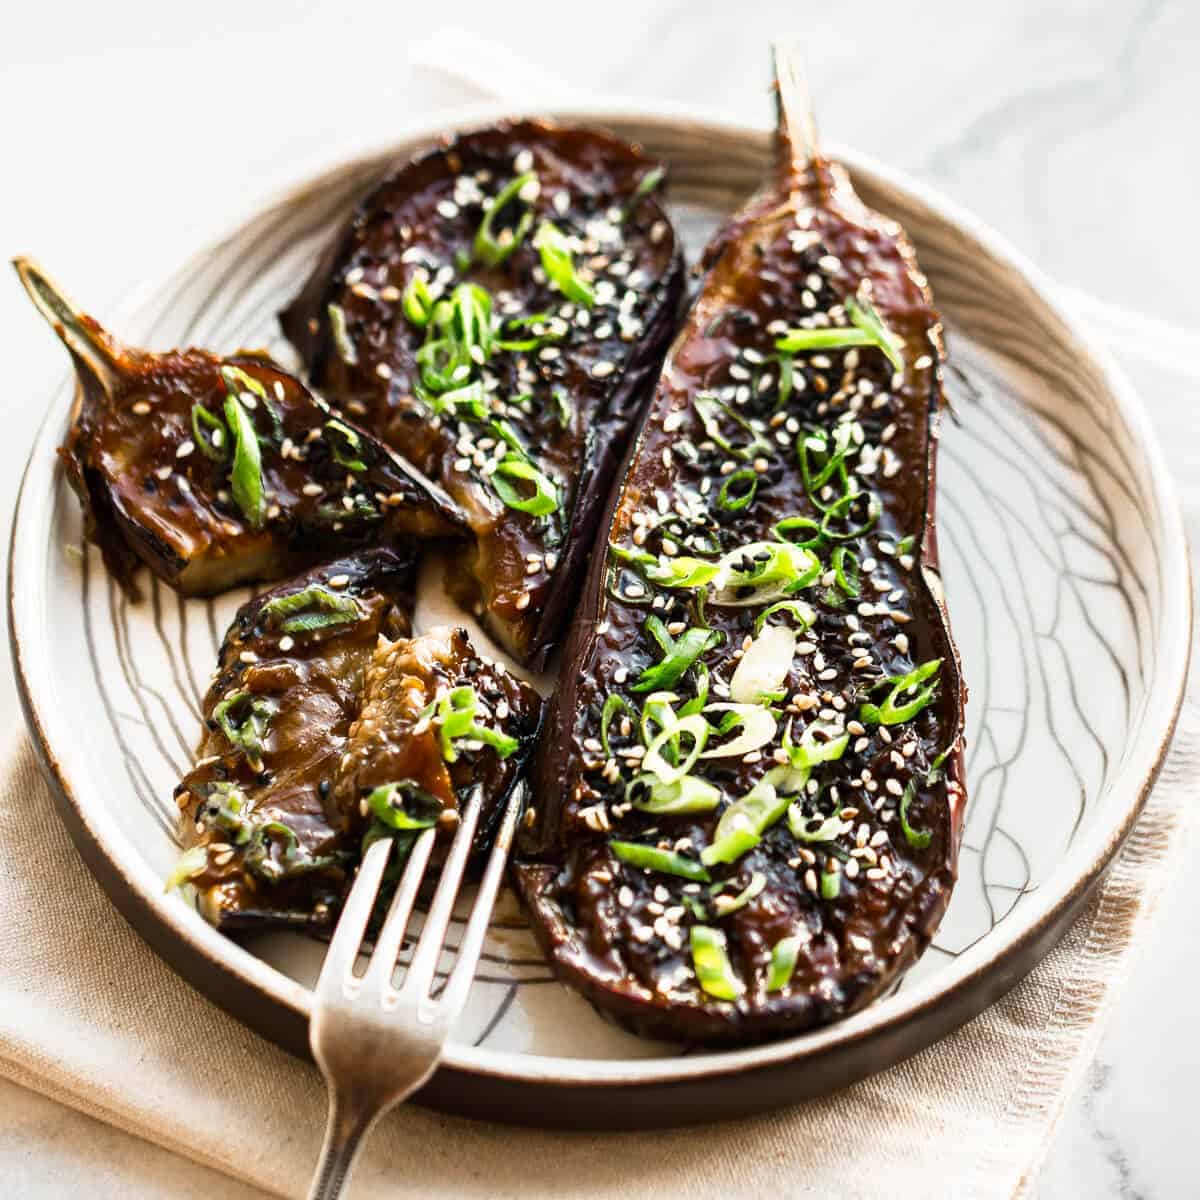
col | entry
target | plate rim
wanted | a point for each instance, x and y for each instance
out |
(1046, 910)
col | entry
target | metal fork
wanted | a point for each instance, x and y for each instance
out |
(376, 1044)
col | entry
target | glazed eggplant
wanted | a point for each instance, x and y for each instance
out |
(270, 846)
(328, 726)
(437, 720)
(749, 795)
(497, 310)
(219, 471)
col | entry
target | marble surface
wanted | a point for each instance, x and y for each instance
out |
(1064, 123)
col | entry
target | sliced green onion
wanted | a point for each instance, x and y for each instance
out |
(783, 962)
(895, 712)
(647, 184)
(492, 249)
(467, 402)
(803, 830)
(678, 655)
(763, 572)
(246, 475)
(315, 607)
(403, 805)
(822, 456)
(831, 884)
(725, 905)
(417, 301)
(682, 571)
(738, 490)
(835, 338)
(765, 665)
(544, 499)
(917, 838)
(695, 728)
(845, 570)
(799, 531)
(209, 433)
(862, 313)
(244, 718)
(666, 862)
(867, 330)
(839, 509)
(905, 545)
(757, 724)
(341, 335)
(710, 410)
(345, 446)
(811, 750)
(563, 408)
(744, 822)
(614, 704)
(800, 612)
(238, 380)
(559, 264)
(190, 863)
(714, 972)
(454, 713)
(787, 368)
(649, 794)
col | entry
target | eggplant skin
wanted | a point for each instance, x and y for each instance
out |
(619, 933)
(523, 574)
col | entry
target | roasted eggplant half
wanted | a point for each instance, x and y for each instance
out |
(219, 471)
(497, 310)
(749, 795)
(328, 726)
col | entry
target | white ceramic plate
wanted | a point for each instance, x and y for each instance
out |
(1065, 570)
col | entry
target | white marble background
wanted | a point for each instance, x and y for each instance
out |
(1070, 125)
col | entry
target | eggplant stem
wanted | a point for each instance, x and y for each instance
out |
(88, 343)
(800, 147)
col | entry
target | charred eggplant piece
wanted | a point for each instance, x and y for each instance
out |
(750, 790)
(497, 311)
(219, 471)
(327, 726)
(270, 846)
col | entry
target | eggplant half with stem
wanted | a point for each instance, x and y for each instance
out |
(496, 310)
(326, 726)
(749, 795)
(219, 471)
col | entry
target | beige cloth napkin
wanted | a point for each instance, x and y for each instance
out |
(90, 1017)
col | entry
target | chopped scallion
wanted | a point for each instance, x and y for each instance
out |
(559, 264)
(666, 862)
(710, 959)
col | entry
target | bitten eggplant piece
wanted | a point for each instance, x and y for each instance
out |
(327, 726)
(497, 311)
(750, 791)
(219, 471)
(270, 845)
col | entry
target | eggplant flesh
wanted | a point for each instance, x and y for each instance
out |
(219, 471)
(783, 501)
(556, 381)
(320, 698)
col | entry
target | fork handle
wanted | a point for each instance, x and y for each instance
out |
(345, 1130)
